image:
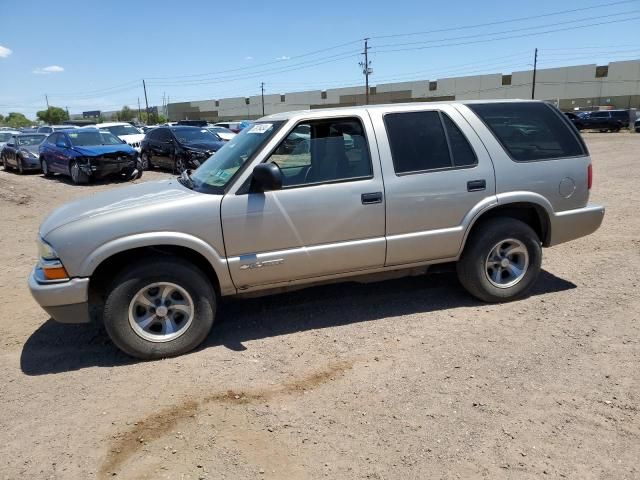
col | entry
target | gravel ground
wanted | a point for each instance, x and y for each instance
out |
(407, 378)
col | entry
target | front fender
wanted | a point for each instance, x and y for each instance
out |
(217, 261)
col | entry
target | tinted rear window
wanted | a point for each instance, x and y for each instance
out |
(529, 131)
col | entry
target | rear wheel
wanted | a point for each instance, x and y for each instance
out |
(501, 260)
(159, 307)
(77, 175)
(145, 162)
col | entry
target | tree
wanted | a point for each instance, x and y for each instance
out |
(126, 114)
(53, 115)
(1, 118)
(153, 118)
(17, 120)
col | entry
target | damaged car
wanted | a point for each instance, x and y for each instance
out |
(86, 154)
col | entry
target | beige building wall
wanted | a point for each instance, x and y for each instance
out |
(583, 86)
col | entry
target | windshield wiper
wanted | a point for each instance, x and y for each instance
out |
(185, 179)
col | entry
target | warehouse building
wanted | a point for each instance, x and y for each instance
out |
(581, 87)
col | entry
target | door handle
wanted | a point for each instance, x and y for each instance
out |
(371, 198)
(476, 185)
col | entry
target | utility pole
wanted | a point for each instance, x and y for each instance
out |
(366, 69)
(139, 112)
(146, 101)
(67, 109)
(262, 93)
(535, 67)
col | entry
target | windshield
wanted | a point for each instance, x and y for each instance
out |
(27, 140)
(216, 173)
(65, 127)
(85, 139)
(122, 130)
(194, 135)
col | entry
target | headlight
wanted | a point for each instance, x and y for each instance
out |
(50, 266)
(46, 251)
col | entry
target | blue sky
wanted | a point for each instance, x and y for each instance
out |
(89, 55)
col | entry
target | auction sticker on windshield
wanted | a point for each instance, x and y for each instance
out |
(260, 127)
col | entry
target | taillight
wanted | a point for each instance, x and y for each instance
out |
(589, 177)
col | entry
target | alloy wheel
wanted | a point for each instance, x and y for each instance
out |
(161, 312)
(507, 263)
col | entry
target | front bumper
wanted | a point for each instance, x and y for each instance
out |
(572, 224)
(104, 168)
(30, 163)
(66, 301)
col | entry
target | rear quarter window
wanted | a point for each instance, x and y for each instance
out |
(530, 131)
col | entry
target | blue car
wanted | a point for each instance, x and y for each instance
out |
(87, 153)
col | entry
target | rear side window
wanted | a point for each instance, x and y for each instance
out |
(529, 131)
(424, 141)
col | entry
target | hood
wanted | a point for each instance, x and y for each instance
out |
(97, 150)
(204, 146)
(138, 196)
(31, 149)
(132, 138)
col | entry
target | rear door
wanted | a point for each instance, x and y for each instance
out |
(327, 219)
(436, 172)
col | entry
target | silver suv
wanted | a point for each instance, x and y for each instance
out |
(372, 190)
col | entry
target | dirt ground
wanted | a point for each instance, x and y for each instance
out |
(407, 378)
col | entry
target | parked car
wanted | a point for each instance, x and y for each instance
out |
(85, 154)
(424, 184)
(235, 127)
(178, 148)
(223, 134)
(193, 123)
(124, 131)
(6, 136)
(603, 120)
(22, 152)
(54, 128)
(637, 125)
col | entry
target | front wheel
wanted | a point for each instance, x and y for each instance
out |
(159, 307)
(20, 166)
(501, 260)
(179, 165)
(45, 168)
(5, 165)
(77, 175)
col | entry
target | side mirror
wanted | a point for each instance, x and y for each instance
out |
(266, 176)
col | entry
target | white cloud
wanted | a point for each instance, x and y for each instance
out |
(248, 58)
(284, 57)
(5, 52)
(48, 70)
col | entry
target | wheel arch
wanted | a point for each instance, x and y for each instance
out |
(110, 258)
(533, 211)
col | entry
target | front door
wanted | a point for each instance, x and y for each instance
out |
(329, 217)
(162, 148)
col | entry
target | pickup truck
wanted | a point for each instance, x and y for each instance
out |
(485, 184)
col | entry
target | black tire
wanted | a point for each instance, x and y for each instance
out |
(5, 164)
(145, 161)
(77, 175)
(45, 168)
(146, 272)
(179, 165)
(472, 266)
(20, 166)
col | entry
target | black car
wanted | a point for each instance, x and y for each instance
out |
(21, 152)
(178, 148)
(603, 120)
(636, 125)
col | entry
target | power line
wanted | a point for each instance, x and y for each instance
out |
(501, 22)
(507, 37)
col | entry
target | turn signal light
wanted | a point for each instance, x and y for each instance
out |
(55, 272)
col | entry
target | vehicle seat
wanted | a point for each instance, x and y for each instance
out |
(332, 164)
